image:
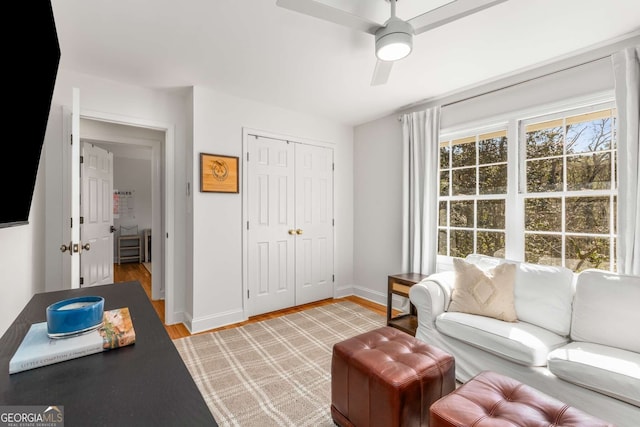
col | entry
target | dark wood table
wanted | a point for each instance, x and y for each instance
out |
(143, 384)
(399, 284)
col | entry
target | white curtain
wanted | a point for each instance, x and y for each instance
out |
(420, 190)
(626, 68)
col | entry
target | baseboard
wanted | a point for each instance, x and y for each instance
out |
(200, 324)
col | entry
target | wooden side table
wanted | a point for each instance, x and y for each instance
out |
(399, 284)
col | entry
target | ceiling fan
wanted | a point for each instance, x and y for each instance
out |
(394, 38)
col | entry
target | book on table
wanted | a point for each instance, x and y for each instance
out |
(37, 349)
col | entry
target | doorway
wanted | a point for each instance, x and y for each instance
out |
(164, 218)
(137, 186)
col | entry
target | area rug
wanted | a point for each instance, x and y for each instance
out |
(276, 372)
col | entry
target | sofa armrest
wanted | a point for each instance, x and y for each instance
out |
(431, 297)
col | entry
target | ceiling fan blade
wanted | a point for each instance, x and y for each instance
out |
(331, 14)
(381, 72)
(449, 12)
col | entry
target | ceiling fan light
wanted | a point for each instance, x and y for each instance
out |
(394, 46)
(395, 40)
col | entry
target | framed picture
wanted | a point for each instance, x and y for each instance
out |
(218, 174)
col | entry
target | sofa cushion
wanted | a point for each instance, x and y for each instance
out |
(519, 342)
(543, 294)
(605, 310)
(607, 370)
(485, 293)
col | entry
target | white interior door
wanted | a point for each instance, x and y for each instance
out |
(96, 262)
(271, 251)
(270, 245)
(290, 224)
(314, 223)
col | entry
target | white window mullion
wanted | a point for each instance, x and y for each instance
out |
(514, 204)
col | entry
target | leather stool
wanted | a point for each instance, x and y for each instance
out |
(387, 378)
(491, 399)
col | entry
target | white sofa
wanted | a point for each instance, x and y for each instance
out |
(577, 337)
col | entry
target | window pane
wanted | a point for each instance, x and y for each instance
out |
(544, 175)
(463, 152)
(491, 214)
(491, 243)
(543, 249)
(492, 148)
(589, 132)
(442, 242)
(493, 179)
(442, 213)
(444, 183)
(461, 243)
(444, 156)
(589, 172)
(462, 214)
(543, 214)
(587, 252)
(587, 215)
(464, 181)
(543, 141)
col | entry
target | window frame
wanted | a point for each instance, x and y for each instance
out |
(565, 194)
(462, 134)
(514, 124)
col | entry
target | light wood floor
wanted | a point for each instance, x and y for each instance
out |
(134, 271)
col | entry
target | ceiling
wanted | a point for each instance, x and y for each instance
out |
(254, 49)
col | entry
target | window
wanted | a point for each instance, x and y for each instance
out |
(562, 210)
(570, 191)
(473, 189)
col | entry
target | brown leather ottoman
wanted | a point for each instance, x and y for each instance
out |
(387, 378)
(491, 399)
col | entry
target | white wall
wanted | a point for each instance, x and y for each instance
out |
(378, 164)
(217, 238)
(377, 206)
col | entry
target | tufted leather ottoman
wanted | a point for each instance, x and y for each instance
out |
(387, 378)
(491, 399)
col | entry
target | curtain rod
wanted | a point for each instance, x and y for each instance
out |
(516, 83)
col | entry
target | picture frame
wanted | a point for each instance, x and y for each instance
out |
(219, 173)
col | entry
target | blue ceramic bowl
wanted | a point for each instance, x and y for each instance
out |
(74, 316)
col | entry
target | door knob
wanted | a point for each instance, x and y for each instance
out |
(112, 229)
(298, 231)
(86, 246)
(292, 232)
(64, 248)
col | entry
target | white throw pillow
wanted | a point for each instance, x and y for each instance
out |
(486, 293)
(606, 310)
(543, 296)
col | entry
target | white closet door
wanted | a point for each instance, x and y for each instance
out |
(270, 251)
(314, 223)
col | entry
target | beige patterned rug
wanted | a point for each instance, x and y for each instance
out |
(276, 372)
